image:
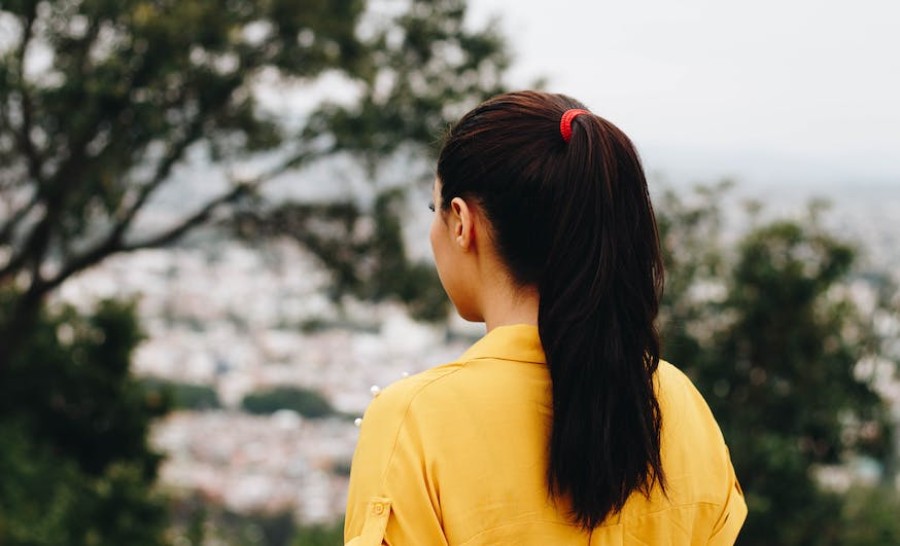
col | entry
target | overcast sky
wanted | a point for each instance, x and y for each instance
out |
(764, 90)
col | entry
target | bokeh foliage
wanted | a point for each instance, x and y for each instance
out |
(102, 102)
(766, 326)
(75, 461)
(182, 396)
(363, 251)
(102, 105)
(306, 402)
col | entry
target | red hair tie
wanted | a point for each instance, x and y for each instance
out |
(565, 124)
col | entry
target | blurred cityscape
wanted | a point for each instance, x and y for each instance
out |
(241, 319)
(214, 249)
(222, 314)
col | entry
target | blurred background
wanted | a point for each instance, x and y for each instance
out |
(213, 226)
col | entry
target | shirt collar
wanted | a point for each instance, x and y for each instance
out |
(519, 342)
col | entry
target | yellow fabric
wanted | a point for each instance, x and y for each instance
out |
(458, 454)
(378, 511)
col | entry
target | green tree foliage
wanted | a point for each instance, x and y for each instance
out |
(195, 520)
(415, 284)
(428, 70)
(102, 102)
(769, 333)
(182, 396)
(869, 517)
(306, 402)
(75, 462)
(370, 264)
(320, 535)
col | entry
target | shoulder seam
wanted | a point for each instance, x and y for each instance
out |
(405, 413)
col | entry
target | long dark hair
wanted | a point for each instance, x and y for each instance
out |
(575, 220)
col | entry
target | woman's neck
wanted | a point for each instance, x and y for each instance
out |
(507, 305)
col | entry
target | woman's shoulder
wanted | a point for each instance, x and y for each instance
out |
(670, 373)
(695, 451)
(436, 397)
(681, 402)
(692, 439)
(394, 402)
(676, 387)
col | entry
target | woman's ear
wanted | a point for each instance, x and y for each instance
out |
(463, 225)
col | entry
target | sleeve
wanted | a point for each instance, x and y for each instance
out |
(708, 439)
(392, 498)
(734, 513)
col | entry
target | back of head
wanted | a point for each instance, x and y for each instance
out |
(573, 218)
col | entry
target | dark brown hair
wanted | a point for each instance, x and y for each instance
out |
(575, 220)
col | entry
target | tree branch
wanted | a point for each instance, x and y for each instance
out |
(23, 135)
(35, 245)
(9, 227)
(174, 154)
(240, 189)
(114, 243)
(18, 259)
(192, 221)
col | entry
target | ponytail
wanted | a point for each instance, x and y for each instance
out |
(573, 217)
(599, 299)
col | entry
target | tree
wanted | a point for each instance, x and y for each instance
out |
(101, 102)
(320, 535)
(76, 465)
(306, 402)
(194, 519)
(771, 336)
(371, 264)
(182, 396)
(869, 517)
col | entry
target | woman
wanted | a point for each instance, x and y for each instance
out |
(562, 425)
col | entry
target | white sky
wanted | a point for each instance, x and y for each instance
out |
(778, 89)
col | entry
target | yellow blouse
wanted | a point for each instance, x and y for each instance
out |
(457, 455)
